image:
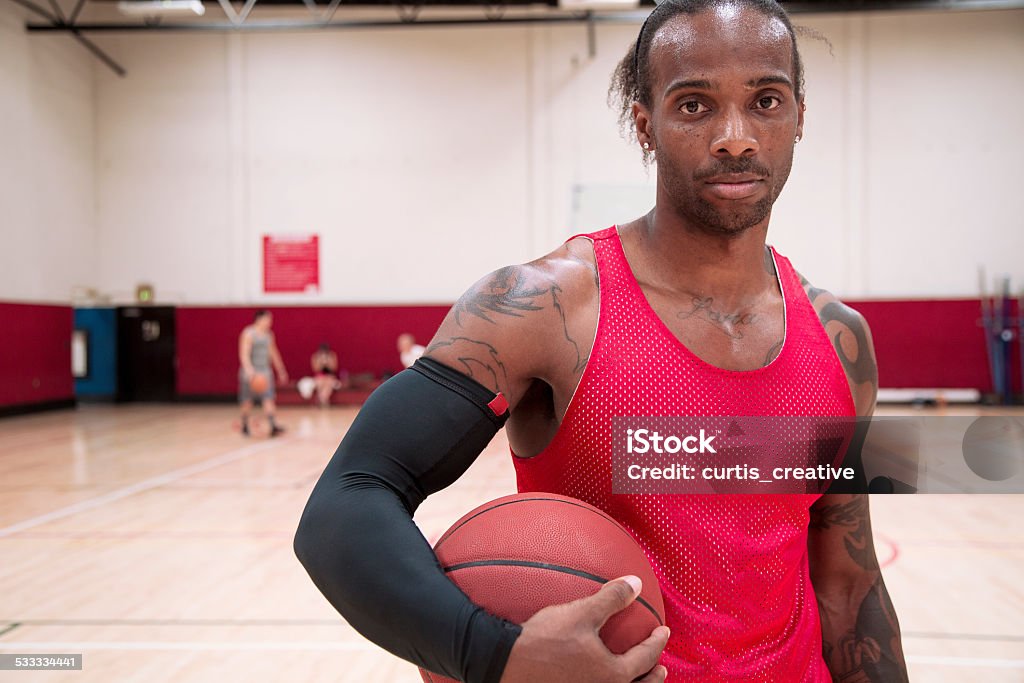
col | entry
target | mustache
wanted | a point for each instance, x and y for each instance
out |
(740, 165)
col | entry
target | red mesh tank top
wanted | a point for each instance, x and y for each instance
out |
(733, 568)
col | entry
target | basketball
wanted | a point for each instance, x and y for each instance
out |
(518, 554)
(259, 384)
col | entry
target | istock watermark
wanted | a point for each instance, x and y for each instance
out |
(807, 454)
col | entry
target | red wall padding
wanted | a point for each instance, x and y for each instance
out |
(363, 337)
(934, 343)
(35, 364)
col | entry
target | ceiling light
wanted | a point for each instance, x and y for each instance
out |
(599, 5)
(161, 8)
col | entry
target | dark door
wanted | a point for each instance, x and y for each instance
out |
(146, 355)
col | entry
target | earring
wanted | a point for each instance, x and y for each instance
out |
(647, 146)
(797, 139)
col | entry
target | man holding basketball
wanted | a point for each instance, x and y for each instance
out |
(684, 311)
(257, 349)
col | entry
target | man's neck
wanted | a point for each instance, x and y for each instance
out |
(671, 253)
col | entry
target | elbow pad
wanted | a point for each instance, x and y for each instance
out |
(416, 434)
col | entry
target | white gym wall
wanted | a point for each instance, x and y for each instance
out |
(47, 190)
(426, 157)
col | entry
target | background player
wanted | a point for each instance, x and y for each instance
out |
(408, 349)
(324, 362)
(256, 351)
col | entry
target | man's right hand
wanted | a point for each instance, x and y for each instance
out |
(561, 644)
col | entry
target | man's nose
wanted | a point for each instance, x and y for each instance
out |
(735, 136)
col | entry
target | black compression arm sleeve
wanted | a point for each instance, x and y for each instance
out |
(415, 435)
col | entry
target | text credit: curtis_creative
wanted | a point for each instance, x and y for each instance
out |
(729, 454)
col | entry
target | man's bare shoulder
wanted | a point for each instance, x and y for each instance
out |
(522, 321)
(521, 295)
(572, 266)
(851, 337)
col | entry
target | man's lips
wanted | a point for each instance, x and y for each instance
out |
(734, 185)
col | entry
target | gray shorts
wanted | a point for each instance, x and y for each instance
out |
(245, 392)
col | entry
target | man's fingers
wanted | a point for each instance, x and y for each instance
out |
(657, 675)
(613, 597)
(643, 656)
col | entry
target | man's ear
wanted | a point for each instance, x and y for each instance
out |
(642, 121)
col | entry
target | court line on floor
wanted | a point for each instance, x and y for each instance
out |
(222, 646)
(931, 635)
(963, 636)
(78, 488)
(975, 662)
(967, 543)
(894, 550)
(145, 485)
(191, 645)
(149, 535)
(176, 622)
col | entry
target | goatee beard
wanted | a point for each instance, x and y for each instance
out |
(734, 223)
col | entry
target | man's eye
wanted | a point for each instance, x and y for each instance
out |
(769, 102)
(693, 107)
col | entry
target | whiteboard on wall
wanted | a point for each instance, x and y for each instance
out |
(598, 206)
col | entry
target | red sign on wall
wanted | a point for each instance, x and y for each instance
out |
(291, 263)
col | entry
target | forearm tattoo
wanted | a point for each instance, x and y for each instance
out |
(853, 519)
(860, 641)
(870, 651)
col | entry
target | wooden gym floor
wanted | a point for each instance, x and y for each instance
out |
(157, 542)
